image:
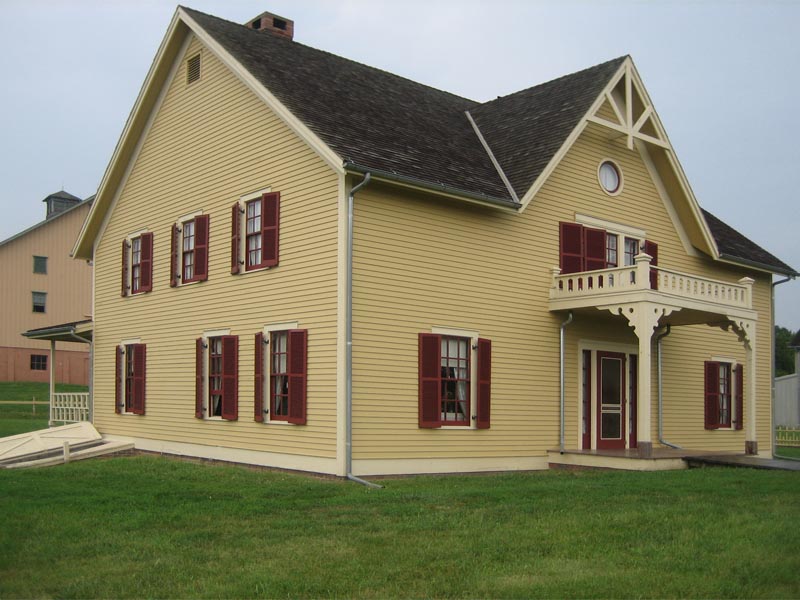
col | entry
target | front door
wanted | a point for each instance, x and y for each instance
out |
(611, 422)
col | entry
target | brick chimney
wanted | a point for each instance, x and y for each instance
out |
(273, 23)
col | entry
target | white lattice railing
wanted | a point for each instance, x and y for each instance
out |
(69, 407)
(635, 278)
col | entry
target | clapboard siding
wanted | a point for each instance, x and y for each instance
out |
(422, 262)
(210, 143)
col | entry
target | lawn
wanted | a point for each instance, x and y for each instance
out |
(787, 451)
(156, 527)
(24, 417)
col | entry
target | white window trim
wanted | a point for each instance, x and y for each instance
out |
(179, 266)
(211, 333)
(129, 258)
(473, 336)
(243, 200)
(267, 368)
(733, 364)
(621, 185)
(123, 346)
(610, 226)
(595, 346)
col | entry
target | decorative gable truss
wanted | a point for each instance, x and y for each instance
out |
(627, 109)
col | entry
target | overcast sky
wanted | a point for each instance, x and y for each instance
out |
(723, 77)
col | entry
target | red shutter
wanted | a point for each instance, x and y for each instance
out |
(430, 380)
(139, 377)
(712, 395)
(146, 269)
(236, 238)
(125, 284)
(570, 247)
(230, 377)
(651, 248)
(199, 380)
(298, 368)
(484, 382)
(740, 397)
(118, 380)
(258, 384)
(270, 228)
(173, 257)
(201, 247)
(594, 246)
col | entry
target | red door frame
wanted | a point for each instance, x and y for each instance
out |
(612, 444)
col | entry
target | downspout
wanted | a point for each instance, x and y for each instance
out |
(561, 375)
(772, 361)
(661, 439)
(349, 339)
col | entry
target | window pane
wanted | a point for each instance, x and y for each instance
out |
(40, 264)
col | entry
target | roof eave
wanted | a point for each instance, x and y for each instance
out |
(753, 264)
(437, 188)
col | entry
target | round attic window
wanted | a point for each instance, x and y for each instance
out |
(610, 177)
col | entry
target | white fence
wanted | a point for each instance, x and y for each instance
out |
(69, 408)
(787, 401)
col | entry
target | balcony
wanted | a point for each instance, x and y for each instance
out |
(642, 282)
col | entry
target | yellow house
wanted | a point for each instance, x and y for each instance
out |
(42, 286)
(308, 263)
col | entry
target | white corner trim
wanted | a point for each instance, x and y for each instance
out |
(496, 164)
(308, 136)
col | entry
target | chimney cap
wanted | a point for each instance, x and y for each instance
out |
(272, 23)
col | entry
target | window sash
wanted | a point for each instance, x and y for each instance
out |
(279, 376)
(187, 254)
(454, 395)
(39, 301)
(215, 377)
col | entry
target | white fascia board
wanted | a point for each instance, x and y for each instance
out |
(98, 210)
(300, 129)
(676, 165)
(573, 137)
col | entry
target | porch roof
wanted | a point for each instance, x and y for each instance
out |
(76, 331)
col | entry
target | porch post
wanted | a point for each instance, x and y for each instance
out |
(751, 441)
(644, 387)
(52, 379)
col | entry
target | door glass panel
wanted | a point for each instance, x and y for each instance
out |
(611, 423)
(611, 382)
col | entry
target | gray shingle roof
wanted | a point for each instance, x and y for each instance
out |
(525, 129)
(732, 244)
(378, 121)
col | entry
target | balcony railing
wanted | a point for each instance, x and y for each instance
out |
(642, 277)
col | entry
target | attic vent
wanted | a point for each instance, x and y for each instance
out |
(279, 24)
(256, 24)
(193, 69)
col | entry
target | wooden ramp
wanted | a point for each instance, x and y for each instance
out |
(54, 446)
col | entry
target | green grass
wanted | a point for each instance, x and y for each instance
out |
(787, 451)
(21, 418)
(24, 391)
(155, 527)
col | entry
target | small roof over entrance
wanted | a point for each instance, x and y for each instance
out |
(77, 331)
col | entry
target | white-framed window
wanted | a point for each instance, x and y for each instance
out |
(454, 379)
(217, 376)
(131, 377)
(724, 394)
(281, 373)
(190, 248)
(137, 263)
(255, 231)
(609, 175)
